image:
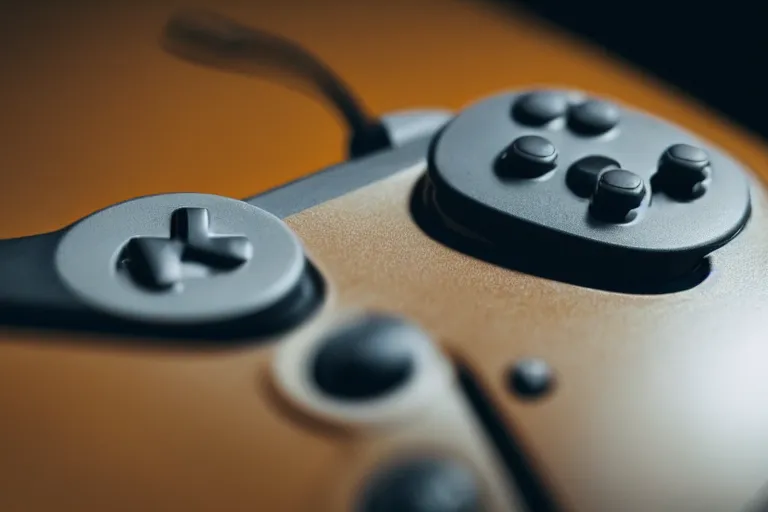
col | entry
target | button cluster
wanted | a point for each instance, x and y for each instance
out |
(615, 194)
(540, 108)
(683, 174)
(589, 118)
(568, 186)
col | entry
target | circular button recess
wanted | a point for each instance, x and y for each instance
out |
(540, 107)
(366, 370)
(529, 156)
(181, 259)
(683, 172)
(593, 117)
(582, 176)
(369, 358)
(618, 192)
(423, 485)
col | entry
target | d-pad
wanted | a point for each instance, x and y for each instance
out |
(191, 251)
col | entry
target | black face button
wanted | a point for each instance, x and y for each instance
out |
(583, 175)
(540, 107)
(423, 485)
(683, 172)
(531, 378)
(593, 117)
(529, 156)
(618, 192)
(368, 358)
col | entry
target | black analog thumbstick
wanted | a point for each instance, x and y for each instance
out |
(369, 358)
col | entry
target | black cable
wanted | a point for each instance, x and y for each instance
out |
(212, 39)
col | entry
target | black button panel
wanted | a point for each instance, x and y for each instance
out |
(529, 156)
(617, 205)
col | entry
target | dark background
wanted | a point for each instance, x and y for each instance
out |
(715, 51)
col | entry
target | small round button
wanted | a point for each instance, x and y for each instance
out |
(540, 107)
(369, 358)
(683, 171)
(593, 117)
(423, 485)
(618, 192)
(529, 156)
(582, 176)
(531, 378)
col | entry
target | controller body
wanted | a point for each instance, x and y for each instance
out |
(552, 299)
(355, 326)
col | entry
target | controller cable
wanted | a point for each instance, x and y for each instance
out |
(211, 39)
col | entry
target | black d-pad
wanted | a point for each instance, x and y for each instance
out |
(162, 263)
(594, 194)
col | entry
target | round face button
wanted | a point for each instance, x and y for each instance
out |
(593, 117)
(533, 146)
(687, 154)
(540, 107)
(531, 378)
(621, 180)
(582, 176)
(529, 156)
(618, 192)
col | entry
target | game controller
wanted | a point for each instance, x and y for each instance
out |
(546, 301)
